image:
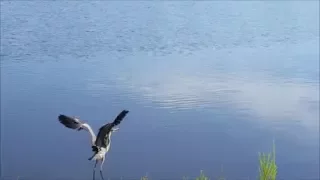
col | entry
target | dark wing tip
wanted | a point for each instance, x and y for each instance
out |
(120, 117)
(124, 112)
(68, 121)
(62, 117)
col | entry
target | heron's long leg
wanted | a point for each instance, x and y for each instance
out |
(94, 169)
(101, 168)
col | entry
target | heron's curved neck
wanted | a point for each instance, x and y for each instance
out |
(89, 129)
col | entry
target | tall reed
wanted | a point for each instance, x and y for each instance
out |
(268, 167)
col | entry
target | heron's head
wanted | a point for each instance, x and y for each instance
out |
(115, 129)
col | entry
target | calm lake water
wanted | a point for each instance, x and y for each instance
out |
(208, 86)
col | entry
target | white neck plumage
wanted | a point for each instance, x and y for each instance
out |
(89, 129)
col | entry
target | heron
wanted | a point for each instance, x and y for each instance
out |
(100, 144)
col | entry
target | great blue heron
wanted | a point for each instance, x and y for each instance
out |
(101, 143)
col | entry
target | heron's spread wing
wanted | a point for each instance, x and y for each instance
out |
(120, 117)
(102, 137)
(104, 131)
(74, 123)
(69, 122)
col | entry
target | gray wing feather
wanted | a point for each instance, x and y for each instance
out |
(69, 122)
(105, 130)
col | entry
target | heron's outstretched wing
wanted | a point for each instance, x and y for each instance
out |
(105, 129)
(120, 117)
(70, 122)
(76, 124)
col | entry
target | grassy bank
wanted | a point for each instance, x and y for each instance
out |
(267, 168)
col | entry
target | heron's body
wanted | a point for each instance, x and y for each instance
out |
(100, 144)
(99, 153)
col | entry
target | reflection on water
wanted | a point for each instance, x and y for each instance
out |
(180, 82)
(207, 84)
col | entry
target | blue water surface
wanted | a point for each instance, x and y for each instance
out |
(208, 84)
